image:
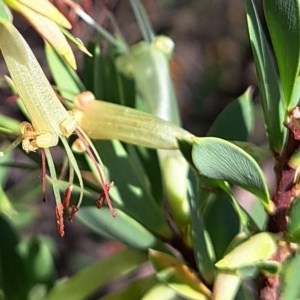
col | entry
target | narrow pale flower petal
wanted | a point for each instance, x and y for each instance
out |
(44, 108)
(43, 7)
(50, 120)
(49, 31)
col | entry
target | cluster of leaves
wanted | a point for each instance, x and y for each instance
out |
(203, 244)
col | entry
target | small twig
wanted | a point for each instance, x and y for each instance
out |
(283, 197)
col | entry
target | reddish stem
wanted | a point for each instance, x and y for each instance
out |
(284, 194)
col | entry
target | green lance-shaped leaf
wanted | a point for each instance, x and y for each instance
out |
(256, 213)
(269, 83)
(5, 160)
(9, 125)
(296, 94)
(135, 290)
(39, 260)
(178, 276)
(293, 227)
(97, 275)
(270, 267)
(202, 244)
(218, 159)
(226, 285)
(267, 267)
(131, 191)
(258, 153)
(289, 278)
(253, 251)
(241, 111)
(15, 282)
(215, 216)
(283, 20)
(175, 173)
(124, 228)
(67, 81)
(160, 290)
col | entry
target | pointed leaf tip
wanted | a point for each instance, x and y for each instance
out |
(218, 159)
(41, 7)
(253, 251)
(283, 20)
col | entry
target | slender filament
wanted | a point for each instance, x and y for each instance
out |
(74, 165)
(11, 146)
(52, 171)
(81, 136)
(44, 174)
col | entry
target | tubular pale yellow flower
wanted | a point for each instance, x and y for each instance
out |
(44, 108)
(103, 120)
(148, 64)
(50, 120)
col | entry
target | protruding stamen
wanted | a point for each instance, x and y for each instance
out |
(84, 138)
(44, 174)
(74, 210)
(101, 199)
(53, 176)
(60, 219)
(67, 195)
(73, 167)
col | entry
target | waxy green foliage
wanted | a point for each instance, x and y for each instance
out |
(177, 204)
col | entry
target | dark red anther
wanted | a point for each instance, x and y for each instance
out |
(67, 195)
(74, 210)
(12, 98)
(60, 219)
(100, 200)
(44, 199)
(102, 197)
(105, 186)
